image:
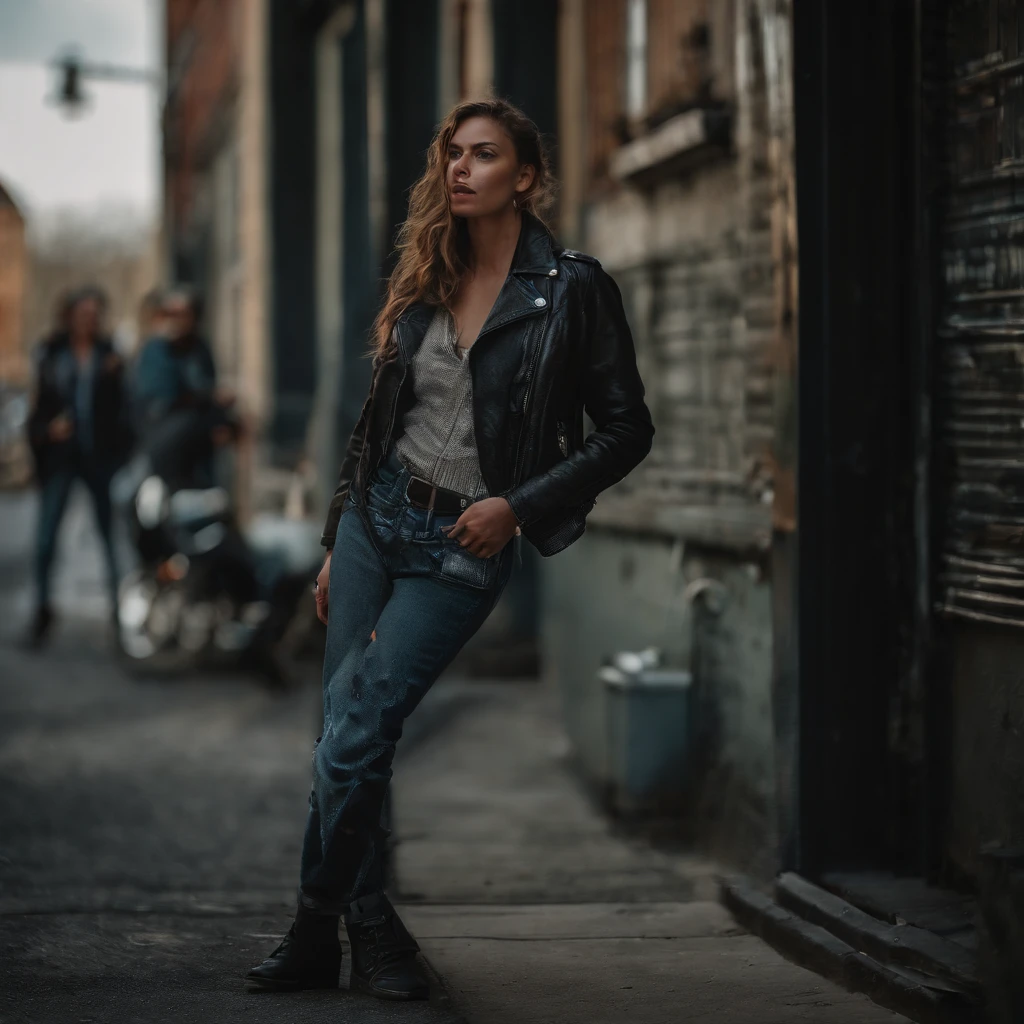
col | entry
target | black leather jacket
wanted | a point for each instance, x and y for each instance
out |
(54, 396)
(555, 345)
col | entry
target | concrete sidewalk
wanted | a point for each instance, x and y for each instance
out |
(534, 911)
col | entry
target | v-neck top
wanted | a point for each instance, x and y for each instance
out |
(439, 441)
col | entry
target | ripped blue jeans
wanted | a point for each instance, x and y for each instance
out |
(404, 599)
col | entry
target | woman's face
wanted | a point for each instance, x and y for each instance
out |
(85, 317)
(179, 317)
(484, 173)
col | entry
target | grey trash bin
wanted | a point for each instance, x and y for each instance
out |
(648, 728)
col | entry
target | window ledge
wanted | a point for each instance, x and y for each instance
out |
(676, 145)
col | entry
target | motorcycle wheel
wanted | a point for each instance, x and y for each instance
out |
(149, 616)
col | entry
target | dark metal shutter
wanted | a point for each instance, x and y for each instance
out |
(979, 407)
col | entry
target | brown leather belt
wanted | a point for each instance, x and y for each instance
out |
(445, 503)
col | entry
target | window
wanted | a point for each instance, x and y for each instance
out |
(636, 59)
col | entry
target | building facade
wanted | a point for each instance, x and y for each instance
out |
(811, 211)
(14, 370)
(293, 132)
(667, 180)
(215, 133)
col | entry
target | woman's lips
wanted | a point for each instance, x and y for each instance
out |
(462, 190)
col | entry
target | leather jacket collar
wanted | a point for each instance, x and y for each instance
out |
(535, 255)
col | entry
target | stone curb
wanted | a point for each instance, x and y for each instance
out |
(812, 946)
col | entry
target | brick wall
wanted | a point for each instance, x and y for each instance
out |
(604, 35)
(13, 262)
(202, 62)
(684, 57)
(216, 227)
(692, 250)
(180, 14)
(692, 254)
(677, 54)
(757, 266)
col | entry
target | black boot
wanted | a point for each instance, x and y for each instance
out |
(383, 952)
(308, 957)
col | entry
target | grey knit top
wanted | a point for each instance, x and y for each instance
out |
(439, 443)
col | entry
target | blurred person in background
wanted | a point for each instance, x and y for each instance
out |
(175, 368)
(78, 428)
(175, 393)
(491, 343)
(149, 319)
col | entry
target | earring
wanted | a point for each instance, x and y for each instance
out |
(515, 204)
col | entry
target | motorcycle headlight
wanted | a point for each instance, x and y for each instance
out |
(152, 502)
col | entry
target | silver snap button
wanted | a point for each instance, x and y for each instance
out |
(540, 302)
(553, 272)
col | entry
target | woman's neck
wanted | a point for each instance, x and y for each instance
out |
(493, 241)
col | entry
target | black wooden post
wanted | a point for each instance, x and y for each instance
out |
(854, 549)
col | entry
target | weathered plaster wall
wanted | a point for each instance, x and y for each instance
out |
(708, 611)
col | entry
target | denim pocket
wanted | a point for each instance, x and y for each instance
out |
(462, 566)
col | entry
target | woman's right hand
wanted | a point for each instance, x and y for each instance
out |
(322, 590)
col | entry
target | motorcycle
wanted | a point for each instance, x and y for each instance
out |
(205, 591)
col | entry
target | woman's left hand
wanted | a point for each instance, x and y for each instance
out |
(485, 527)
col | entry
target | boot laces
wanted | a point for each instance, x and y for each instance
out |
(384, 941)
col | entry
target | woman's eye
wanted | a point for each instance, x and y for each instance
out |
(486, 154)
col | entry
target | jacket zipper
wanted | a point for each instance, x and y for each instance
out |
(529, 378)
(563, 440)
(523, 437)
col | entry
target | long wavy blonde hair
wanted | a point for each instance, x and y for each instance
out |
(433, 244)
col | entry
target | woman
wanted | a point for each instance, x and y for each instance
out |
(78, 429)
(491, 343)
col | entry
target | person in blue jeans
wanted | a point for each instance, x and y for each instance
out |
(491, 344)
(78, 429)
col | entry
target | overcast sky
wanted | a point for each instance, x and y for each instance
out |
(105, 158)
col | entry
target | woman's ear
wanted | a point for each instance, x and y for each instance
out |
(527, 174)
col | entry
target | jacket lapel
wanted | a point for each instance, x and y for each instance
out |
(412, 326)
(519, 296)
